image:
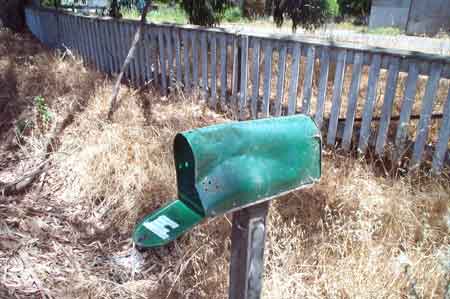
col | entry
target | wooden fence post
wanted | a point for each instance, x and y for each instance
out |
(247, 252)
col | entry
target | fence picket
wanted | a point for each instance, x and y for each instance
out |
(388, 101)
(236, 70)
(295, 73)
(372, 90)
(44, 26)
(337, 96)
(281, 79)
(146, 54)
(323, 84)
(187, 65)
(244, 77)
(88, 40)
(213, 53)
(223, 70)
(255, 81)
(162, 62)
(114, 47)
(140, 60)
(127, 45)
(176, 38)
(108, 47)
(70, 32)
(84, 53)
(267, 77)
(94, 35)
(307, 83)
(101, 46)
(352, 101)
(405, 112)
(194, 43)
(77, 37)
(444, 137)
(126, 41)
(134, 61)
(425, 114)
(170, 68)
(204, 58)
(153, 37)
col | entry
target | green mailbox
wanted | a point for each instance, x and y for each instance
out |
(231, 166)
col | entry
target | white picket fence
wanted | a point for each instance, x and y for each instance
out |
(261, 75)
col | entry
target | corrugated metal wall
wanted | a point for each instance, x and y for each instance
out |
(389, 13)
(429, 16)
(413, 16)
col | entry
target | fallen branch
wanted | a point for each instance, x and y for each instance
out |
(25, 181)
(130, 57)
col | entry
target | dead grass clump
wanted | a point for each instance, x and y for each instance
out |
(375, 237)
(124, 169)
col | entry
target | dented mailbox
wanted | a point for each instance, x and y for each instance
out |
(231, 166)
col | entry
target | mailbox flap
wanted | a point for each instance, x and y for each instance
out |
(165, 225)
(232, 165)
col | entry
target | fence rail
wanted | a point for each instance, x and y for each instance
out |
(360, 96)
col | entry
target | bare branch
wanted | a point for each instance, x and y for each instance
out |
(130, 57)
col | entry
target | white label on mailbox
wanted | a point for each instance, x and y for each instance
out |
(161, 226)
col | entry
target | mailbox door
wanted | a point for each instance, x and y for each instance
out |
(165, 225)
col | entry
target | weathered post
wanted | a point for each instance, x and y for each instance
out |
(247, 252)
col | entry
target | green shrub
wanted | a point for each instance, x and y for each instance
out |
(232, 14)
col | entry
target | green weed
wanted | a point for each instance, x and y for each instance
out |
(42, 109)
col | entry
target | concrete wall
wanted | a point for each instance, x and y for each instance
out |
(389, 13)
(429, 16)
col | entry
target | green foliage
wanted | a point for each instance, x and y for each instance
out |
(306, 13)
(42, 109)
(51, 3)
(164, 13)
(332, 8)
(204, 12)
(130, 13)
(355, 8)
(232, 14)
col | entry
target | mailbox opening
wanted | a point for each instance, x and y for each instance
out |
(185, 169)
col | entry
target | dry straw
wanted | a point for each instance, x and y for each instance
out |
(354, 235)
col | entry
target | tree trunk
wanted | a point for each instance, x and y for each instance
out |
(12, 14)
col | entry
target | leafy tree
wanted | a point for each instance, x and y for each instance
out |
(306, 13)
(204, 12)
(355, 8)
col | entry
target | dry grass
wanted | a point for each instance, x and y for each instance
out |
(354, 235)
